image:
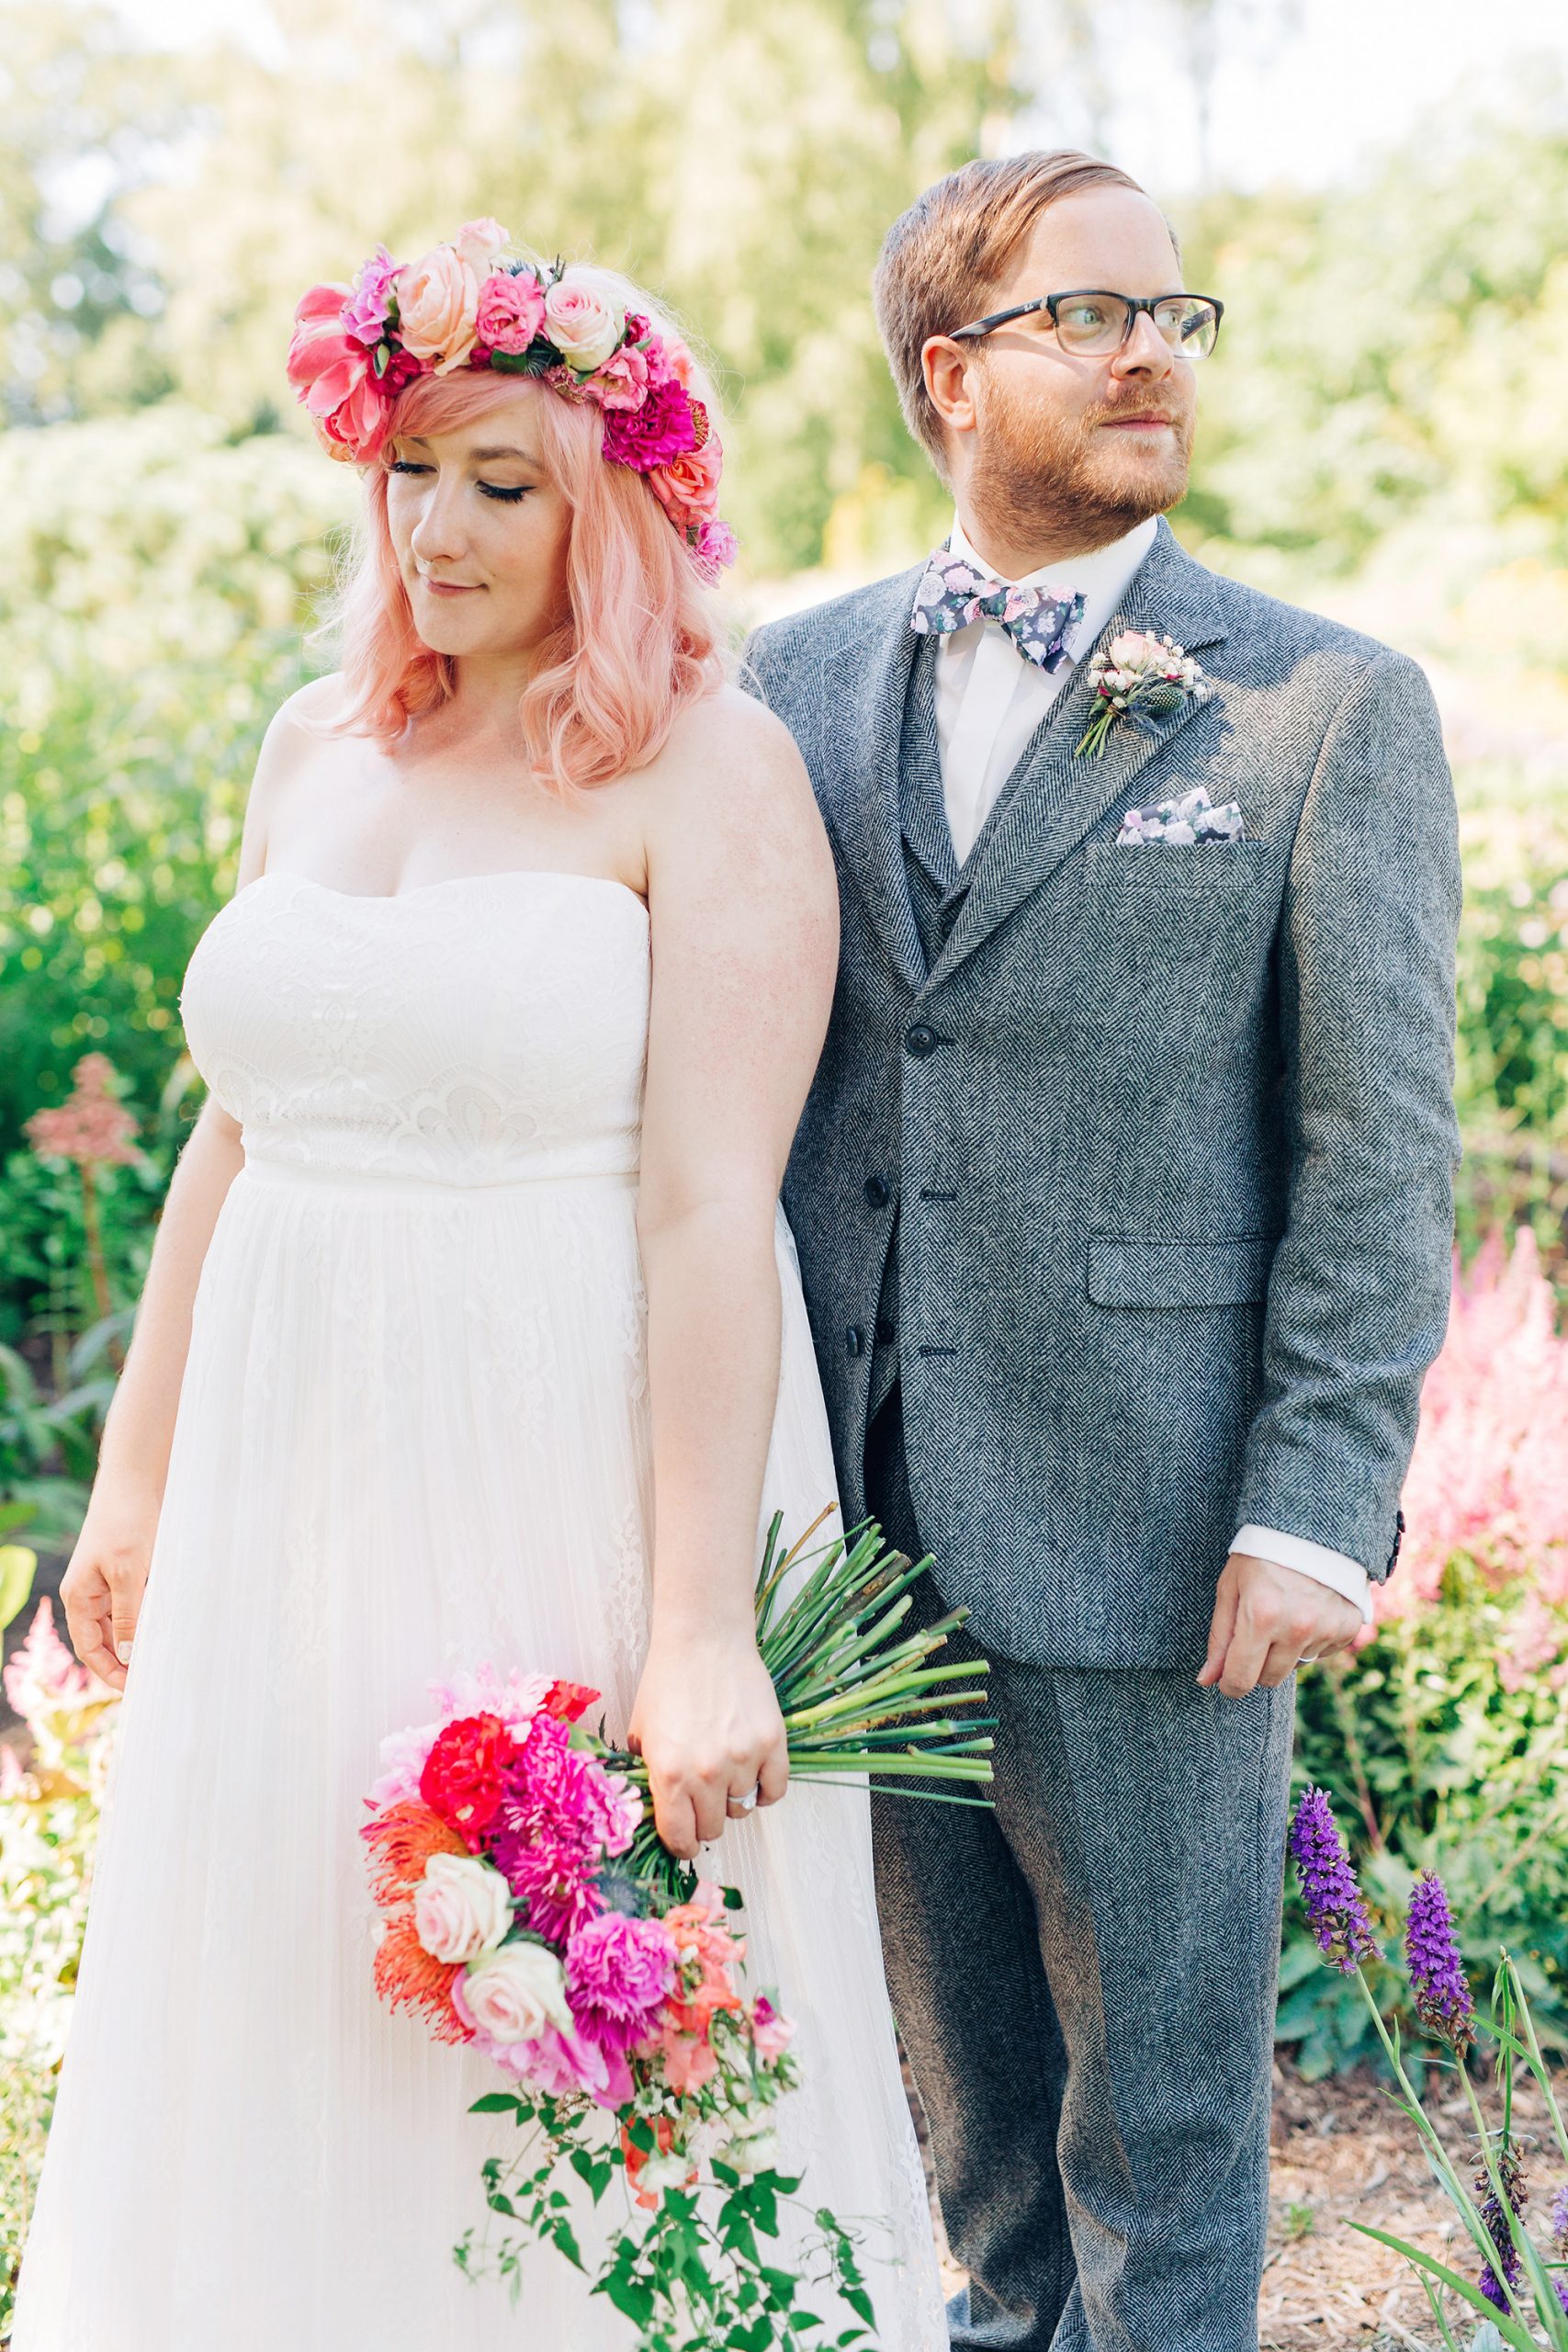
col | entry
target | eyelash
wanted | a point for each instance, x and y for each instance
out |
(490, 488)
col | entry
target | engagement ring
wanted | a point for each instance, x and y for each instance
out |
(741, 1806)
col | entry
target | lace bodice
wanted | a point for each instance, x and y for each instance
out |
(487, 1030)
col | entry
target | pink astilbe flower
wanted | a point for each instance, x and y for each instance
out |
(92, 1127)
(42, 1673)
(1489, 1476)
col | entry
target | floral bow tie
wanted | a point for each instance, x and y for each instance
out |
(954, 593)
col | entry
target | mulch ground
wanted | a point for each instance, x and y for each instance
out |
(1342, 2154)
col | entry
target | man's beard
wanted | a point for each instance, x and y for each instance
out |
(1035, 476)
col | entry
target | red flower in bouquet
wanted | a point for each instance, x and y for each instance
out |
(566, 1701)
(463, 1780)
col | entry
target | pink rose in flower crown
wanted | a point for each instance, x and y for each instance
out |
(333, 376)
(687, 488)
(511, 311)
(366, 312)
(478, 242)
(670, 362)
(438, 301)
(582, 323)
(622, 382)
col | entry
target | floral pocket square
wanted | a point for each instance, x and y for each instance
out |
(1190, 819)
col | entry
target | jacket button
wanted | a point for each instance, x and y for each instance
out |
(876, 1192)
(921, 1041)
(854, 1340)
(884, 1331)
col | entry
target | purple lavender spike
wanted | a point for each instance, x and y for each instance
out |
(1336, 1907)
(1437, 1973)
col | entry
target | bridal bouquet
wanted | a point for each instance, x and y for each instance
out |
(531, 1910)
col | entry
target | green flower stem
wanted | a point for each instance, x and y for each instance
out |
(877, 1692)
(1537, 2064)
(1523, 2247)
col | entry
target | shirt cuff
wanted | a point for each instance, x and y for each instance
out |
(1341, 1575)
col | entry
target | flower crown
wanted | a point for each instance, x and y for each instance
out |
(467, 304)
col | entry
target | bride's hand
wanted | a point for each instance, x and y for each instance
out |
(101, 1591)
(707, 1723)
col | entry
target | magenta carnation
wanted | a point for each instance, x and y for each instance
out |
(619, 1976)
(560, 1814)
(556, 1877)
(664, 428)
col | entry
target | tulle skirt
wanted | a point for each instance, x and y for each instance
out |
(412, 1436)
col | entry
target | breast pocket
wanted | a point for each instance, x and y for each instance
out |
(1165, 924)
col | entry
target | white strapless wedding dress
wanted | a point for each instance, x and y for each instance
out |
(413, 1435)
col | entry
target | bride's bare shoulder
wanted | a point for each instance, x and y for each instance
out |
(729, 747)
(294, 738)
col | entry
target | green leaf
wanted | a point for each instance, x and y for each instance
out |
(496, 2103)
(17, 1567)
(1508, 2327)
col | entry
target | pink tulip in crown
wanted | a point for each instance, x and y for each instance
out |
(469, 304)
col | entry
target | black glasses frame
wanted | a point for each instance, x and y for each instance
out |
(1136, 303)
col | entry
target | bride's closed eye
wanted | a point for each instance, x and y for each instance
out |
(508, 494)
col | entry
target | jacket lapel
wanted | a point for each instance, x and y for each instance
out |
(865, 678)
(1066, 794)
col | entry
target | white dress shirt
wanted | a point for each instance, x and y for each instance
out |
(989, 700)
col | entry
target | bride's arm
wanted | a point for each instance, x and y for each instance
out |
(102, 1588)
(744, 944)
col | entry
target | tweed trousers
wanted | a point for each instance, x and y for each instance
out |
(1085, 1981)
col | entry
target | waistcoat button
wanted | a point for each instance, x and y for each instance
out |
(884, 1332)
(921, 1041)
(854, 1340)
(876, 1192)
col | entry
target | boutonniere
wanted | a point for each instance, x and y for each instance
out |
(1139, 677)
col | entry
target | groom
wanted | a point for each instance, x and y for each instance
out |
(1124, 1200)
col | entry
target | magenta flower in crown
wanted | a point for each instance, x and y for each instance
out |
(1443, 2002)
(1336, 1907)
(619, 1971)
(668, 425)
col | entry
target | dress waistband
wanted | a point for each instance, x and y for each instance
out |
(364, 1180)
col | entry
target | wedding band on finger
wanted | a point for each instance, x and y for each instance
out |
(738, 1807)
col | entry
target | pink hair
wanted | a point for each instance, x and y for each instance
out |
(640, 639)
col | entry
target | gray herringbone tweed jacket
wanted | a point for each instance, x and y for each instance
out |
(1167, 1131)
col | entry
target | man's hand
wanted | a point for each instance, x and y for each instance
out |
(1267, 1620)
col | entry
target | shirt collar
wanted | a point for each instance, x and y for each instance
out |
(1101, 577)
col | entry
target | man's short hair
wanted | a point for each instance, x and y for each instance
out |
(941, 258)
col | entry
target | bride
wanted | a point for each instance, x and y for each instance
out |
(473, 1332)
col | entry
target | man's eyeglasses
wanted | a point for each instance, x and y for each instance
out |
(1091, 322)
